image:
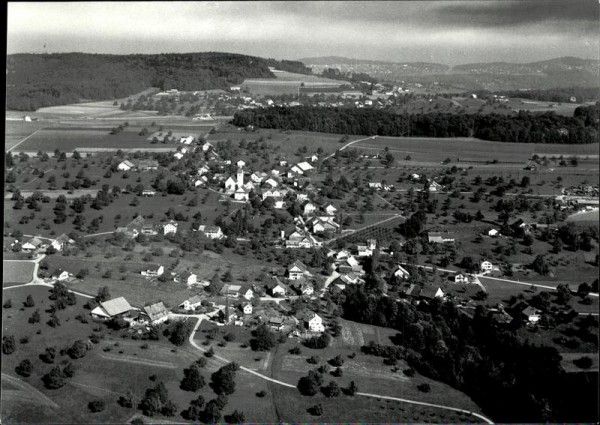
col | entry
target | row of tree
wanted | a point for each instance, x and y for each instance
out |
(524, 127)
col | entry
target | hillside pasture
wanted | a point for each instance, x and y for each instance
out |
(16, 131)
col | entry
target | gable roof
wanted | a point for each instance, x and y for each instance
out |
(194, 300)
(116, 306)
(299, 264)
(156, 311)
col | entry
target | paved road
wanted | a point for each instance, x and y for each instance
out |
(363, 228)
(346, 145)
(285, 384)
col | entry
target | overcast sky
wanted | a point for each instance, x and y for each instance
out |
(450, 32)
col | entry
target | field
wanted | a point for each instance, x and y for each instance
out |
(15, 272)
(285, 83)
(469, 150)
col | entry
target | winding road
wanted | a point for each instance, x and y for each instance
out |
(286, 384)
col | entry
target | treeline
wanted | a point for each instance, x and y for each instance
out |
(559, 95)
(523, 127)
(357, 77)
(494, 366)
(37, 80)
(289, 66)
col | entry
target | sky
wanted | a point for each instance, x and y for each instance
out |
(450, 32)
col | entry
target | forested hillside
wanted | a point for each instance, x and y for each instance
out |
(35, 81)
(523, 127)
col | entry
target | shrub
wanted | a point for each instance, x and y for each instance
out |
(96, 406)
(584, 362)
(29, 301)
(424, 387)
(316, 410)
(55, 378)
(261, 394)
(295, 351)
(192, 380)
(331, 390)
(7, 303)
(337, 361)
(77, 350)
(313, 359)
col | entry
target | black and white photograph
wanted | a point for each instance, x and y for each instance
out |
(314, 212)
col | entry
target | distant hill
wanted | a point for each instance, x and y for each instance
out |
(37, 80)
(554, 73)
(564, 64)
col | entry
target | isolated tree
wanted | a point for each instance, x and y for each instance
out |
(77, 350)
(563, 293)
(25, 368)
(96, 406)
(193, 379)
(331, 390)
(29, 302)
(55, 378)
(8, 344)
(540, 265)
(352, 388)
(263, 339)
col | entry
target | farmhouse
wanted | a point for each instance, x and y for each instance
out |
(133, 228)
(308, 208)
(211, 232)
(302, 168)
(438, 237)
(60, 275)
(493, 233)
(157, 313)
(434, 187)
(147, 165)
(532, 314)
(117, 307)
(276, 323)
(61, 242)
(191, 303)
(153, 270)
(298, 270)
(232, 291)
(148, 192)
(33, 244)
(125, 166)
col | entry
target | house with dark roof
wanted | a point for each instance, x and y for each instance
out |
(297, 270)
(157, 313)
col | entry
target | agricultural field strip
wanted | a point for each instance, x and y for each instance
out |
(518, 282)
(285, 384)
(14, 146)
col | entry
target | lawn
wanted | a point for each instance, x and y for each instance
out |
(15, 272)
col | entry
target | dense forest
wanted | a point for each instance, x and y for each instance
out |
(34, 81)
(509, 378)
(523, 127)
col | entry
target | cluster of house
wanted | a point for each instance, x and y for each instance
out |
(37, 244)
(138, 165)
(119, 308)
(138, 226)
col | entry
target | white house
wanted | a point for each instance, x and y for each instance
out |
(125, 166)
(206, 146)
(191, 303)
(435, 187)
(187, 277)
(203, 170)
(157, 313)
(270, 182)
(364, 251)
(311, 321)
(486, 266)
(212, 232)
(186, 140)
(246, 292)
(329, 209)
(532, 315)
(276, 288)
(60, 275)
(178, 155)
(493, 233)
(153, 270)
(401, 273)
(148, 192)
(298, 270)
(258, 176)
(170, 227)
(308, 208)
(247, 308)
(33, 244)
